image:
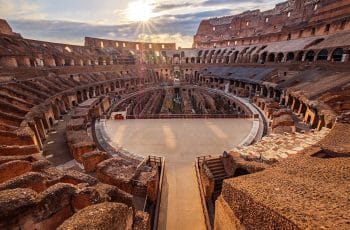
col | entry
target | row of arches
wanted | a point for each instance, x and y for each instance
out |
(245, 89)
(245, 56)
(23, 61)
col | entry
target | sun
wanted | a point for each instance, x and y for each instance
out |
(139, 11)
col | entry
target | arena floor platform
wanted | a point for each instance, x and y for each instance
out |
(179, 141)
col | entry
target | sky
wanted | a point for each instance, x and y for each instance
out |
(69, 21)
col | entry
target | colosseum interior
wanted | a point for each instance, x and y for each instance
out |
(248, 129)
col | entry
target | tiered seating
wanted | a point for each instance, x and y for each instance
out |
(43, 196)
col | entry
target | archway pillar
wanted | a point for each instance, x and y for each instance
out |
(304, 57)
(345, 57)
(33, 127)
(41, 129)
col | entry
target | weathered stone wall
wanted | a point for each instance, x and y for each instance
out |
(5, 28)
(288, 20)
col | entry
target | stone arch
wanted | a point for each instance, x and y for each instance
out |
(60, 61)
(80, 97)
(51, 121)
(271, 57)
(280, 57)
(49, 62)
(109, 61)
(264, 91)
(23, 61)
(322, 55)
(68, 62)
(337, 54)
(8, 62)
(310, 56)
(60, 106)
(87, 62)
(176, 59)
(101, 61)
(112, 86)
(97, 90)
(91, 92)
(79, 62)
(85, 94)
(263, 57)
(290, 56)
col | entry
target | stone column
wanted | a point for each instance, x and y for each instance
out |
(41, 129)
(293, 105)
(36, 133)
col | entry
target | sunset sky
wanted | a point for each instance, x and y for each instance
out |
(69, 21)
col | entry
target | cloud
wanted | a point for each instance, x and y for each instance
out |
(171, 6)
(20, 9)
(180, 39)
(171, 27)
(229, 2)
(175, 21)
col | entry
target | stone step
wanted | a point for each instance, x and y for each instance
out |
(214, 167)
(219, 176)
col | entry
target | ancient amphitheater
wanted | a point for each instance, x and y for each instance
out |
(249, 129)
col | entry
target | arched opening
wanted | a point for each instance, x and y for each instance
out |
(85, 95)
(322, 55)
(263, 57)
(310, 56)
(193, 60)
(68, 62)
(60, 106)
(91, 92)
(240, 172)
(280, 57)
(101, 61)
(264, 91)
(51, 121)
(290, 56)
(59, 61)
(271, 57)
(79, 97)
(337, 54)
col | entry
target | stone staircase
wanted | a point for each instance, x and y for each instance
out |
(217, 169)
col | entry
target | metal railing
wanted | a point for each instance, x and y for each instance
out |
(187, 116)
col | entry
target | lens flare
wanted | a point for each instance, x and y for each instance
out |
(139, 11)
